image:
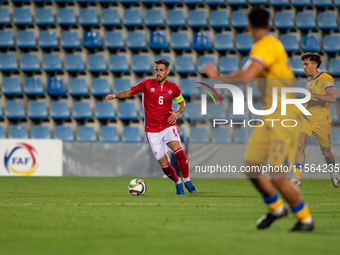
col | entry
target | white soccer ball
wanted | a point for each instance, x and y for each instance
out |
(137, 187)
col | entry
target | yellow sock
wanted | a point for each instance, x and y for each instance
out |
(301, 212)
(298, 169)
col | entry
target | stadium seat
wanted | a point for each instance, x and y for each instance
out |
(6, 39)
(335, 136)
(114, 40)
(311, 43)
(140, 64)
(52, 63)
(55, 86)
(305, 20)
(334, 66)
(215, 2)
(331, 43)
(129, 2)
(96, 63)
(11, 86)
(108, 134)
(216, 111)
(59, 110)
(153, 18)
(151, 1)
(193, 2)
(197, 19)
(18, 132)
(223, 42)
(64, 133)
(33, 86)
(172, 2)
(141, 111)
(219, 19)
(104, 111)
(236, 117)
(37, 110)
(290, 42)
(26, 40)
(85, 2)
(127, 111)
(257, 106)
(77, 87)
(256, 91)
(136, 40)
(81, 111)
(193, 112)
(284, 20)
(48, 39)
(70, 40)
(4, 17)
(66, 17)
(198, 135)
(121, 84)
(179, 41)
(100, 87)
(258, 2)
(244, 61)
(228, 64)
(8, 62)
(88, 17)
(185, 64)
(158, 41)
(301, 3)
(40, 132)
(221, 135)
(175, 18)
(322, 3)
(131, 135)
(239, 19)
(14, 110)
(337, 3)
(327, 21)
(74, 63)
(205, 59)
(86, 134)
(297, 66)
(132, 18)
(189, 88)
(322, 67)
(91, 40)
(109, 18)
(40, 1)
(63, 1)
(44, 17)
(29, 63)
(201, 41)
(244, 42)
(167, 58)
(239, 135)
(22, 17)
(334, 115)
(118, 64)
(280, 3)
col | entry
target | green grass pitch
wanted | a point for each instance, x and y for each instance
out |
(77, 215)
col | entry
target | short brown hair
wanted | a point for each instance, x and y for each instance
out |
(258, 18)
(162, 61)
(312, 56)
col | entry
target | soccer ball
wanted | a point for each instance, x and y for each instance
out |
(137, 187)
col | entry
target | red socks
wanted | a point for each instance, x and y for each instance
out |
(182, 162)
(169, 171)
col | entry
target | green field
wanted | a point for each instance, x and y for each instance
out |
(76, 215)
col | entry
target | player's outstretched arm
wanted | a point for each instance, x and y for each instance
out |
(122, 94)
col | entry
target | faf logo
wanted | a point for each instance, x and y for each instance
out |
(21, 159)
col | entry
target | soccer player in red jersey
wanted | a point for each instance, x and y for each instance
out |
(160, 121)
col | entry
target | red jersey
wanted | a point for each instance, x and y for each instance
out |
(157, 103)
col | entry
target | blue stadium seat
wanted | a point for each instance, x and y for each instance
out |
(22, 17)
(219, 19)
(239, 19)
(185, 64)
(74, 63)
(258, 2)
(322, 3)
(311, 43)
(290, 42)
(297, 65)
(11, 86)
(215, 2)
(108, 134)
(244, 61)
(109, 18)
(140, 64)
(239, 135)
(41, 1)
(280, 3)
(55, 86)
(201, 41)
(84, 2)
(136, 40)
(256, 91)
(327, 21)
(127, 111)
(193, 2)
(284, 20)
(175, 18)
(151, 1)
(86, 134)
(167, 58)
(179, 41)
(70, 40)
(33, 86)
(104, 111)
(235, 117)
(37, 110)
(335, 136)
(26, 40)
(59, 110)
(198, 135)
(132, 18)
(66, 17)
(77, 87)
(334, 115)
(228, 64)
(100, 87)
(301, 3)
(4, 17)
(334, 66)
(193, 112)
(205, 59)
(14, 110)
(131, 135)
(81, 111)
(64, 133)
(8, 62)
(224, 42)
(63, 1)
(118, 64)
(216, 111)
(257, 106)
(244, 42)
(52, 63)
(153, 18)
(96, 63)
(172, 2)
(18, 132)
(92, 40)
(44, 17)
(6, 39)
(40, 132)
(29, 63)
(48, 39)
(221, 135)
(197, 19)
(322, 67)
(129, 2)
(305, 20)
(331, 43)
(88, 17)
(114, 40)
(141, 111)
(158, 41)
(337, 3)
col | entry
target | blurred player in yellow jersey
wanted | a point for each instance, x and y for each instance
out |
(269, 60)
(321, 86)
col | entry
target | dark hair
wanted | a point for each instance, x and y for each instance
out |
(312, 56)
(258, 17)
(162, 61)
